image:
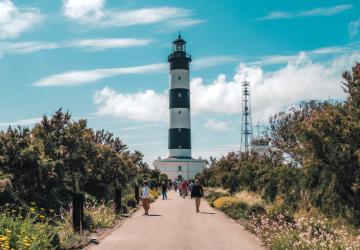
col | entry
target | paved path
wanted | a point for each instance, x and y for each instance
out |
(174, 225)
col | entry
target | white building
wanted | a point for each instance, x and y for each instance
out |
(260, 146)
(174, 168)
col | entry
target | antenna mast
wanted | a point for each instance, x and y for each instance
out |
(246, 120)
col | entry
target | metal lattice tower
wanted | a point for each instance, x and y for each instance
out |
(246, 120)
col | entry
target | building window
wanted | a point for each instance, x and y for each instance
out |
(179, 95)
(179, 168)
(179, 77)
(179, 112)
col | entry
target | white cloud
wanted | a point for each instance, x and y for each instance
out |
(21, 122)
(301, 79)
(94, 12)
(144, 16)
(273, 91)
(141, 106)
(308, 13)
(26, 47)
(14, 21)
(354, 27)
(101, 44)
(285, 59)
(143, 126)
(211, 61)
(274, 59)
(83, 10)
(216, 125)
(185, 22)
(90, 44)
(75, 78)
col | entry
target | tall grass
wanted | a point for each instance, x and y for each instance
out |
(250, 198)
(304, 233)
(27, 230)
(35, 229)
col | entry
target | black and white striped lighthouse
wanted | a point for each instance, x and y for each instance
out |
(179, 101)
(180, 164)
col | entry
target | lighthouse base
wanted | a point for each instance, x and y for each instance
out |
(175, 168)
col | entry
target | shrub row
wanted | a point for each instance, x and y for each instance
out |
(234, 207)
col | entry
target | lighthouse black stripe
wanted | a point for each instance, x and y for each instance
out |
(179, 60)
(179, 138)
(179, 98)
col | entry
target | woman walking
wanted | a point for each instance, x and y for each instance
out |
(197, 193)
(146, 197)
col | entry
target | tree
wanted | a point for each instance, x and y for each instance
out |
(40, 163)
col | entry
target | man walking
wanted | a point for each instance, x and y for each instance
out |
(146, 197)
(197, 193)
(164, 190)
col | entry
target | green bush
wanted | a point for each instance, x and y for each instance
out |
(255, 209)
(213, 195)
(31, 230)
(237, 210)
(130, 201)
(124, 208)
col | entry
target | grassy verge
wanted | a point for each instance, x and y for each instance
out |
(34, 229)
(280, 229)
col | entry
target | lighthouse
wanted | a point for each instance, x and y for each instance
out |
(179, 101)
(179, 164)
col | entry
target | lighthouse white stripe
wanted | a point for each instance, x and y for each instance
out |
(180, 118)
(179, 79)
(180, 153)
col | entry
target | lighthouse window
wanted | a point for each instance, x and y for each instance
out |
(179, 168)
(179, 77)
(179, 112)
(179, 95)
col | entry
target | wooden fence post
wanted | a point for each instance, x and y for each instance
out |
(78, 207)
(118, 200)
(117, 197)
(137, 194)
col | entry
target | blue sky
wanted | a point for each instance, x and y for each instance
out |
(105, 60)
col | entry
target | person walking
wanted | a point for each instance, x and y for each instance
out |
(146, 197)
(181, 188)
(164, 190)
(190, 189)
(184, 188)
(197, 193)
(175, 185)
